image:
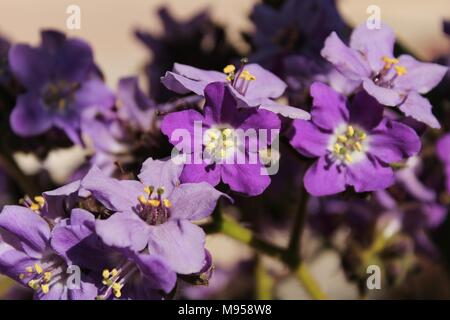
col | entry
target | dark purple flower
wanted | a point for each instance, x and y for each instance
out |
(27, 255)
(296, 27)
(221, 145)
(198, 41)
(251, 85)
(155, 213)
(61, 81)
(392, 81)
(353, 142)
(120, 273)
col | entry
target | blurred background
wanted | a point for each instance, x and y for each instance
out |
(108, 25)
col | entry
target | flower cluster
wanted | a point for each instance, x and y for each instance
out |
(316, 129)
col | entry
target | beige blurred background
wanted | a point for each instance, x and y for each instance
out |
(108, 24)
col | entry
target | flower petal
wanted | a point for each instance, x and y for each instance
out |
(308, 139)
(158, 173)
(386, 96)
(157, 272)
(180, 243)
(419, 108)
(369, 175)
(29, 116)
(247, 178)
(322, 171)
(329, 107)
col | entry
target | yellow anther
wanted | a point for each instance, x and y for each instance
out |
(35, 207)
(154, 202)
(160, 190)
(117, 293)
(246, 75)
(33, 284)
(40, 200)
(105, 274)
(114, 272)
(29, 269)
(362, 136)
(227, 132)
(228, 143)
(21, 276)
(358, 146)
(341, 138)
(213, 135)
(47, 276)
(142, 199)
(337, 148)
(350, 131)
(148, 189)
(38, 268)
(117, 287)
(45, 288)
(229, 69)
(401, 70)
(388, 62)
(167, 203)
(348, 158)
(222, 153)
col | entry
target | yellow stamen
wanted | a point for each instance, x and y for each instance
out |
(154, 202)
(230, 77)
(388, 62)
(213, 135)
(33, 284)
(21, 276)
(342, 138)
(105, 274)
(337, 147)
(160, 190)
(362, 136)
(47, 276)
(114, 272)
(38, 268)
(246, 75)
(229, 69)
(142, 199)
(167, 203)
(222, 153)
(358, 146)
(401, 70)
(148, 189)
(226, 132)
(350, 131)
(45, 288)
(29, 269)
(35, 207)
(348, 158)
(117, 287)
(228, 143)
(40, 200)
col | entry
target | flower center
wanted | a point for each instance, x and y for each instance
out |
(240, 79)
(389, 73)
(115, 279)
(348, 144)
(57, 95)
(42, 276)
(219, 143)
(155, 209)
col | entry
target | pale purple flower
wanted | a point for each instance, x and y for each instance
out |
(27, 255)
(61, 81)
(369, 59)
(354, 144)
(155, 213)
(221, 146)
(250, 84)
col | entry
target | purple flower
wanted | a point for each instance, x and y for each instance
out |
(221, 145)
(353, 142)
(251, 85)
(155, 213)
(28, 256)
(61, 82)
(392, 81)
(443, 153)
(121, 273)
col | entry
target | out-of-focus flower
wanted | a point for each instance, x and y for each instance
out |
(61, 81)
(298, 27)
(251, 85)
(155, 213)
(354, 147)
(28, 256)
(221, 146)
(198, 41)
(392, 81)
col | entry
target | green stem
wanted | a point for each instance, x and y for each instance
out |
(264, 282)
(230, 227)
